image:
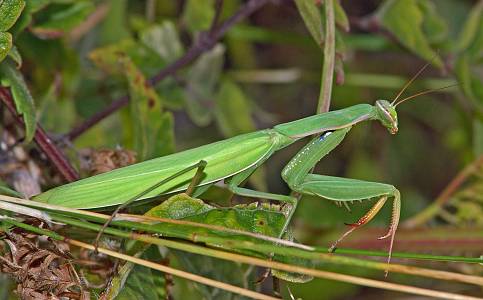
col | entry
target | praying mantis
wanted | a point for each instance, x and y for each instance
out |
(235, 159)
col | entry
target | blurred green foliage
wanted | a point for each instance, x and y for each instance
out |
(65, 60)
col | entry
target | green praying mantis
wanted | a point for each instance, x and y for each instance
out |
(235, 159)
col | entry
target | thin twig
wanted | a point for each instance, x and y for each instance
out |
(445, 195)
(216, 18)
(329, 59)
(204, 42)
(92, 20)
(44, 142)
(150, 10)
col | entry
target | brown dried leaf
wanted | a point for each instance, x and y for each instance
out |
(40, 273)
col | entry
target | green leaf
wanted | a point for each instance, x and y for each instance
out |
(434, 26)
(477, 137)
(404, 19)
(289, 276)
(10, 10)
(163, 39)
(341, 18)
(233, 112)
(138, 282)
(6, 190)
(313, 21)
(5, 44)
(149, 130)
(152, 129)
(59, 21)
(10, 76)
(471, 28)
(200, 85)
(107, 58)
(262, 220)
(36, 5)
(470, 82)
(198, 15)
(242, 275)
(15, 56)
(265, 219)
(114, 27)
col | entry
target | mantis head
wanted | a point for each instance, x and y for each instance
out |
(386, 113)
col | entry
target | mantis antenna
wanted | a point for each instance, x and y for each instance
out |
(424, 93)
(396, 103)
(409, 82)
(414, 77)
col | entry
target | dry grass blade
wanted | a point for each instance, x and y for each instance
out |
(279, 266)
(175, 272)
(404, 269)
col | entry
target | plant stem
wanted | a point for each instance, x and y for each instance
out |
(205, 42)
(46, 145)
(329, 59)
(147, 224)
(322, 255)
(242, 259)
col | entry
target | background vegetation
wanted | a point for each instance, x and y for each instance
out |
(88, 86)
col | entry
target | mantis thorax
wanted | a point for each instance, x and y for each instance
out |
(386, 113)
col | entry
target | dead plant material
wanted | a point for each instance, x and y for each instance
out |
(40, 273)
(105, 160)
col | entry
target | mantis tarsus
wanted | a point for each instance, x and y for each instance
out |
(235, 159)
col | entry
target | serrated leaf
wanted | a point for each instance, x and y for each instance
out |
(163, 39)
(263, 220)
(341, 18)
(5, 44)
(61, 21)
(233, 112)
(200, 85)
(313, 21)
(198, 15)
(11, 77)
(404, 19)
(10, 10)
